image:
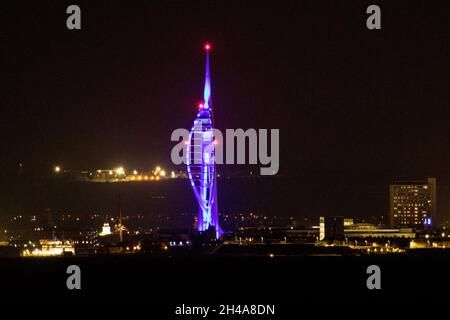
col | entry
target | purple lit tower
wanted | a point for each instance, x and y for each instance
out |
(200, 160)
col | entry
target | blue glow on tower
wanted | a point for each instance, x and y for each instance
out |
(200, 160)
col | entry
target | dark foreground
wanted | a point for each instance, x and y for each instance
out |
(286, 282)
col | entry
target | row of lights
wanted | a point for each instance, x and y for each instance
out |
(121, 171)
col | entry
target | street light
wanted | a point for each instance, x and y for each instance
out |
(57, 169)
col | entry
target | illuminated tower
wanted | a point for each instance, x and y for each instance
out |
(200, 160)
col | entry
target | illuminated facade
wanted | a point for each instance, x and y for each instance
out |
(51, 248)
(413, 203)
(200, 160)
(106, 230)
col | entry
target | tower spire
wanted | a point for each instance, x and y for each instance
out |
(207, 89)
(200, 162)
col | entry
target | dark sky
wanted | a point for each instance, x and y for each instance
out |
(355, 108)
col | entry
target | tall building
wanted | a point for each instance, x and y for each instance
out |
(201, 167)
(413, 203)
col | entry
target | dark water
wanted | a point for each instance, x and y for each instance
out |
(272, 196)
(225, 280)
(170, 197)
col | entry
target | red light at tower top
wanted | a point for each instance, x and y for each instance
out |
(207, 46)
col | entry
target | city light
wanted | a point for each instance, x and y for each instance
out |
(57, 169)
(119, 174)
(51, 248)
(106, 230)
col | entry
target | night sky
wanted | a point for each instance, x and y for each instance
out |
(355, 108)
